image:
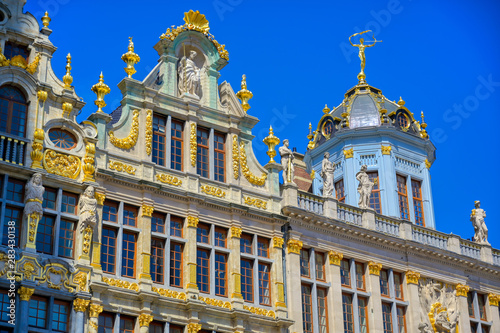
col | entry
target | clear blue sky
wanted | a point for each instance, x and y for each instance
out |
(440, 56)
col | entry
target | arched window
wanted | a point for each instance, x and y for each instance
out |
(13, 111)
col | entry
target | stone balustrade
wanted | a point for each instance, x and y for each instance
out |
(310, 202)
(349, 214)
(387, 226)
(470, 249)
(12, 149)
(429, 237)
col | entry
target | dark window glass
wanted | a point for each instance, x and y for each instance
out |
(13, 111)
(202, 233)
(246, 271)
(220, 237)
(339, 190)
(219, 157)
(203, 270)
(110, 211)
(128, 255)
(307, 320)
(12, 223)
(37, 313)
(159, 139)
(263, 247)
(45, 234)
(108, 250)
(129, 215)
(106, 323)
(62, 139)
(69, 201)
(176, 145)
(202, 152)
(158, 222)
(15, 190)
(66, 239)
(49, 198)
(246, 243)
(176, 224)
(264, 283)
(220, 274)
(157, 260)
(176, 264)
(60, 316)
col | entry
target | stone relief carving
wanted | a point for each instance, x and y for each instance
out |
(439, 307)
(87, 206)
(327, 169)
(287, 162)
(189, 80)
(34, 196)
(364, 188)
(477, 218)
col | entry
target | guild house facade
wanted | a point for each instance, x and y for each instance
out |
(158, 217)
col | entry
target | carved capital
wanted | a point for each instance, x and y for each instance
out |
(493, 299)
(25, 293)
(145, 320)
(294, 246)
(348, 153)
(335, 258)
(147, 210)
(427, 164)
(80, 304)
(236, 232)
(412, 277)
(386, 150)
(95, 310)
(42, 95)
(278, 242)
(100, 197)
(193, 328)
(192, 221)
(462, 290)
(374, 268)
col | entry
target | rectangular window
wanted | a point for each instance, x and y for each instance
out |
(348, 313)
(220, 274)
(175, 329)
(110, 211)
(15, 190)
(108, 250)
(159, 139)
(339, 190)
(398, 286)
(158, 222)
(176, 264)
(202, 167)
(345, 274)
(4, 306)
(176, 224)
(106, 322)
(363, 314)
(203, 270)
(68, 204)
(220, 237)
(49, 198)
(45, 234)
(37, 315)
(418, 207)
(129, 215)
(375, 201)
(384, 282)
(307, 319)
(481, 305)
(320, 266)
(264, 283)
(387, 317)
(304, 263)
(176, 145)
(126, 324)
(473, 327)
(128, 255)
(66, 238)
(263, 247)
(400, 311)
(322, 310)
(219, 157)
(157, 260)
(247, 280)
(202, 233)
(360, 276)
(15, 215)
(60, 316)
(470, 303)
(246, 243)
(403, 198)
(157, 327)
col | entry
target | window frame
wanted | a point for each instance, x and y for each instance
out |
(11, 114)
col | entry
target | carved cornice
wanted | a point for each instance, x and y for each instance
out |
(278, 242)
(374, 268)
(335, 257)
(462, 290)
(80, 304)
(412, 277)
(192, 221)
(294, 246)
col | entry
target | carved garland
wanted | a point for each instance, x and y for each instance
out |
(129, 141)
(259, 181)
(149, 132)
(216, 302)
(193, 144)
(121, 284)
(236, 157)
(61, 164)
(212, 190)
(122, 167)
(260, 312)
(169, 293)
(255, 202)
(168, 179)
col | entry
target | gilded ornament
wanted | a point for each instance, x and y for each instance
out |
(80, 279)
(244, 95)
(313, 174)
(255, 202)
(236, 157)
(335, 257)
(348, 153)
(412, 277)
(361, 46)
(260, 312)
(168, 179)
(294, 246)
(212, 190)
(88, 162)
(67, 108)
(33, 220)
(149, 131)
(67, 78)
(216, 302)
(129, 141)
(101, 90)
(87, 239)
(145, 319)
(41, 95)
(278, 242)
(462, 290)
(169, 293)
(3, 60)
(46, 20)
(193, 328)
(147, 210)
(252, 179)
(374, 268)
(121, 284)
(80, 304)
(192, 221)
(236, 232)
(493, 299)
(121, 167)
(281, 295)
(37, 149)
(130, 58)
(61, 164)
(28, 269)
(56, 276)
(95, 310)
(271, 141)
(100, 197)
(427, 164)
(386, 150)
(33, 66)
(19, 61)
(25, 293)
(193, 144)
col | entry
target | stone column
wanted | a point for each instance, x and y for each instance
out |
(492, 310)
(100, 119)
(97, 234)
(144, 243)
(190, 256)
(24, 298)
(335, 293)
(375, 320)
(80, 305)
(234, 267)
(413, 312)
(278, 289)
(94, 311)
(463, 308)
(294, 287)
(144, 321)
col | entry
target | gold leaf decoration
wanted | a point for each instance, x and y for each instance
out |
(149, 132)
(129, 141)
(168, 179)
(236, 157)
(259, 181)
(122, 167)
(193, 144)
(61, 164)
(212, 190)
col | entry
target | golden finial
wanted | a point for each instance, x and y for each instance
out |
(326, 109)
(361, 46)
(401, 102)
(68, 79)
(244, 95)
(101, 90)
(271, 141)
(310, 135)
(46, 20)
(130, 58)
(345, 121)
(423, 132)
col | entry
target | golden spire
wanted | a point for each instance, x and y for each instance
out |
(326, 109)
(68, 79)
(401, 102)
(310, 135)
(130, 58)
(271, 141)
(423, 132)
(101, 90)
(46, 20)
(244, 95)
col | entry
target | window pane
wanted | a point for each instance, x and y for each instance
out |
(176, 145)
(363, 314)
(15, 190)
(220, 274)
(220, 237)
(176, 264)
(37, 315)
(60, 316)
(246, 243)
(158, 222)
(322, 311)
(128, 254)
(45, 234)
(157, 260)
(176, 224)
(347, 313)
(159, 139)
(263, 247)
(320, 266)
(403, 197)
(307, 320)
(345, 274)
(360, 276)
(12, 225)
(110, 211)
(384, 282)
(304, 263)
(130, 215)
(202, 233)
(264, 282)
(203, 270)
(387, 317)
(69, 201)
(66, 238)
(247, 280)
(108, 250)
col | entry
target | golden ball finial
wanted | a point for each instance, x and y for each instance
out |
(326, 109)
(46, 20)
(131, 59)
(67, 78)
(271, 141)
(244, 95)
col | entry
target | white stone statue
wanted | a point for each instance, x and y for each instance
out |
(34, 196)
(287, 162)
(87, 207)
(477, 218)
(364, 188)
(189, 75)
(327, 169)
(438, 307)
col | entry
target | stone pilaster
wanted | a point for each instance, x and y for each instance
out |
(80, 306)
(278, 286)
(234, 267)
(97, 234)
(144, 242)
(463, 308)
(290, 193)
(375, 302)
(492, 310)
(190, 255)
(94, 312)
(25, 294)
(335, 293)
(273, 177)
(330, 208)
(294, 287)
(100, 119)
(28, 238)
(413, 312)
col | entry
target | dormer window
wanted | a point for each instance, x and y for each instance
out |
(14, 49)
(403, 120)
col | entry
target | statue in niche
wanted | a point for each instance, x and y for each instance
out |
(189, 75)
(287, 162)
(477, 218)
(327, 175)
(439, 307)
(364, 188)
(34, 196)
(87, 206)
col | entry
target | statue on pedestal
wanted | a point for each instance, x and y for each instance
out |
(34, 196)
(477, 218)
(287, 162)
(87, 207)
(189, 80)
(364, 188)
(327, 175)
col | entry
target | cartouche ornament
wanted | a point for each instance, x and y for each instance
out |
(101, 90)
(271, 141)
(67, 78)
(244, 95)
(46, 20)
(130, 58)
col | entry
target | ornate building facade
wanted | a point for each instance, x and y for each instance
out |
(158, 217)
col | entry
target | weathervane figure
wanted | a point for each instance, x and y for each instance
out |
(361, 54)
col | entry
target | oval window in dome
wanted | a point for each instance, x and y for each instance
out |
(328, 128)
(62, 139)
(403, 120)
